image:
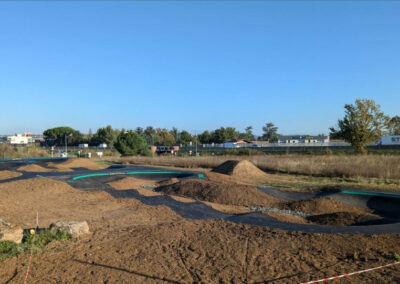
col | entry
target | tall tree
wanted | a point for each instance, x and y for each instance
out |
(270, 132)
(58, 135)
(184, 138)
(139, 130)
(248, 134)
(174, 131)
(395, 125)
(105, 135)
(149, 134)
(223, 134)
(363, 123)
(164, 138)
(205, 137)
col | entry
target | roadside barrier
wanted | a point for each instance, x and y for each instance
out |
(350, 274)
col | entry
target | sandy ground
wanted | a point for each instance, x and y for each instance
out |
(56, 201)
(134, 183)
(34, 168)
(8, 174)
(222, 193)
(205, 252)
(135, 243)
(321, 206)
(76, 163)
(66, 166)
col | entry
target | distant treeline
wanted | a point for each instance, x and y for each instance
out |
(58, 136)
(362, 124)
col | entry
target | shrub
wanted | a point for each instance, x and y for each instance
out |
(43, 237)
(8, 249)
(129, 143)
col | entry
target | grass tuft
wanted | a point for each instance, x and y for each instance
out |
(8, 249)
(36, 241)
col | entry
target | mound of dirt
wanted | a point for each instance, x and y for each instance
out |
(8, 174)
(337, 219)
(34, 168)
(76, 163)
(168, 181)
(286, 217)
(130, 183)
(239, 169)
(223, 193)
(56, 200)
(136, 184)
(321, 206)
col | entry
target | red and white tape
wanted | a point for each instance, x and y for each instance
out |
(352, 273)
(30, 256)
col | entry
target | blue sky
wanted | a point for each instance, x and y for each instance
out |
(195, 65)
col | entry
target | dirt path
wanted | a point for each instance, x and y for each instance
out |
(206, 252)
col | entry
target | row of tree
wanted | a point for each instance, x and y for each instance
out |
(362, 124)
(156, 136)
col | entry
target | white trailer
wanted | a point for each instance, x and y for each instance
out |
(390, 140)
(102, 146)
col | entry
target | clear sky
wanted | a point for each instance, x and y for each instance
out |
(195, 65)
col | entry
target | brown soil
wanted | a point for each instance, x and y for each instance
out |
(130, 183)
(56, 201)
(229, 209)
(34, 168)
(287, 218)
(321, 206)
(168, 181)
(213, 251)
(76, 163)
(337, 218)
(134, 243)
(332, 219)
(182, 199)
(134, 183)
(242, 168)
(8, 174)
(222, 193)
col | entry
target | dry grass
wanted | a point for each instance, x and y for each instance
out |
(365, 166)
(10, 152)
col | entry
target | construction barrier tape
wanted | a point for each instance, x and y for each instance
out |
(30, 256)
(350, 274)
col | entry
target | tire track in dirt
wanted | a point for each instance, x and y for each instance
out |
(195, 278)
(246, 258)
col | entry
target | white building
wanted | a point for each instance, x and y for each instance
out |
(19, 139)
(390, 140)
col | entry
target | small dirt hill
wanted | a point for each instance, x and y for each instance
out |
(321, 205)
(168, 181)
(76, 163)
(239, 169)
(8, 174)
(337, 219)
(34, 168)
(222, 193)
